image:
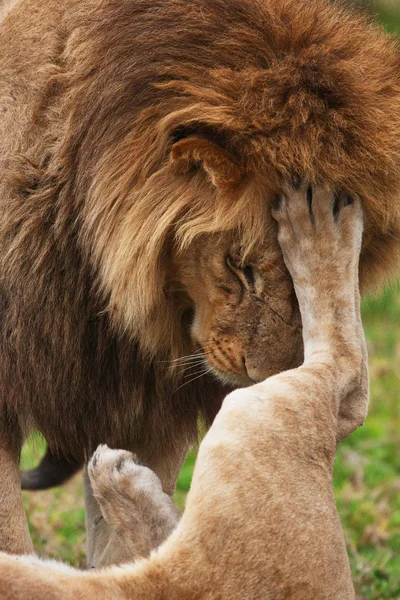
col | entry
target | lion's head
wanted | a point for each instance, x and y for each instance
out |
(176, 161)
(242, 307)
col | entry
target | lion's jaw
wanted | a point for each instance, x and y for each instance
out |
(246, 318)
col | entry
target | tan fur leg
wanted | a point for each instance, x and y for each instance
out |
(320, 233)
(104, 544)
(14, 534)
(132, 501)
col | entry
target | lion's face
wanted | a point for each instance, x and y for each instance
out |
(246, 318)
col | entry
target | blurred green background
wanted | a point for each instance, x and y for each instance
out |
(367, 470)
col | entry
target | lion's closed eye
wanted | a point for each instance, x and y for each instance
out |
(244, 272)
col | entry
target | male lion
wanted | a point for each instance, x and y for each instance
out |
(141, 143)
(260, 520)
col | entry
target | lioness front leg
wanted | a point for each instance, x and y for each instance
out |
(320, 234)
(132, 501)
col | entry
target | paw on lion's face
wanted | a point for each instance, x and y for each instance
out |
(246, 318)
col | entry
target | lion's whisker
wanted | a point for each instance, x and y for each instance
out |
(190, 357)
(189, 370)
(193, 364)
(194, 373)
(194, 379)
(187, 362)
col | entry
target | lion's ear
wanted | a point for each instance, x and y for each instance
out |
(220, 165)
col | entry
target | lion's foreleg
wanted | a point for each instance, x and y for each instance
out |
(14, 534)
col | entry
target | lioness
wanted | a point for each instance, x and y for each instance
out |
(260, 521)
(141, 145)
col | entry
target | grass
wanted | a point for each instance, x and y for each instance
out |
(387, 11)
(366, 477)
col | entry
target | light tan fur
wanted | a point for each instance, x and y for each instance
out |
(260, 520)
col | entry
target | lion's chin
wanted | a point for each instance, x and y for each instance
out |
(231, 379)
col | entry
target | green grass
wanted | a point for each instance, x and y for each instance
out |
(387, 11)
(366, 476)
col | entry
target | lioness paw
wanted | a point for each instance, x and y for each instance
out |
(131, 499)
(320, 232)
(118, 472)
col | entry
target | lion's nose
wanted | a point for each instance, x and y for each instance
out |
(253, 371)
